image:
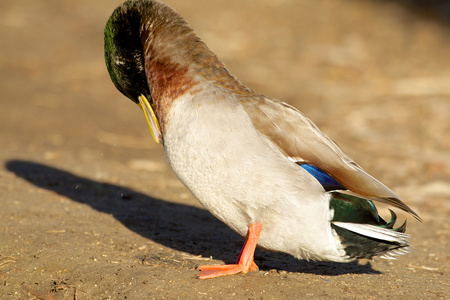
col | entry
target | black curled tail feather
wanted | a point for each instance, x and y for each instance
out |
(362, 231)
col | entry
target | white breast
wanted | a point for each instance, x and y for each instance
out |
(242, 178)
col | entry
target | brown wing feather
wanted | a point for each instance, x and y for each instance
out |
(299, 138)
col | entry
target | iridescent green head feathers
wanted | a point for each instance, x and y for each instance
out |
(123, 50)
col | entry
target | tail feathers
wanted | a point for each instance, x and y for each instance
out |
(376, 232)
(392, 254)
(363, 232)
(367, 241)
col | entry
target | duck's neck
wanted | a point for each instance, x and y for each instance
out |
(178, 62)
(167, 66)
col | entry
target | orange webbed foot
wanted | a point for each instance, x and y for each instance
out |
(245, 261)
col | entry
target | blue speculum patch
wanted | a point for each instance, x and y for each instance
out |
(328, 182)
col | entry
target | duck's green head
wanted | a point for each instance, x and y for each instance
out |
(123, 51)
(124, 58)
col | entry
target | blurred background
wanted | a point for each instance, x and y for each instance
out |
(374, 75)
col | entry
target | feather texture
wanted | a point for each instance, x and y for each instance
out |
(375, 232)
(363, 232)
(299, 138)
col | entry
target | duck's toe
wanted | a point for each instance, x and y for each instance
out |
(212, 271)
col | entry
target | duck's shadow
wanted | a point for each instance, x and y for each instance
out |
(181, 227)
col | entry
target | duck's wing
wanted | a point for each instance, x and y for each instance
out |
(300, 139)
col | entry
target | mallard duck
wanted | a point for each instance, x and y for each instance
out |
(256, 163)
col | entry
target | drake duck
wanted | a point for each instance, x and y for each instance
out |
(256, 163)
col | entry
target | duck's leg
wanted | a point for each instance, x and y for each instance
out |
(245, 261)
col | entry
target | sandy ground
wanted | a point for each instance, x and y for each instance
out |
(91, 210)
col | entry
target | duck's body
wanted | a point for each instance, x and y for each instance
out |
(256, 163)
(241, 186)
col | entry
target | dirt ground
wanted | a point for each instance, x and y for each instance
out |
(91, 210)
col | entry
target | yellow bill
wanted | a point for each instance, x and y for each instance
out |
(151, 118)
